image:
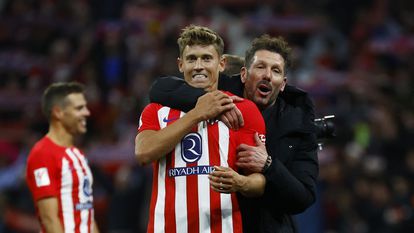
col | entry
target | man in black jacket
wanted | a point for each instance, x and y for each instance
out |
(289, 159)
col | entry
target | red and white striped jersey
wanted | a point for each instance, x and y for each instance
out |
(62, 172)
(182, 200)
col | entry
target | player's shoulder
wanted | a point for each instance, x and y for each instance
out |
(247, 106)
(41, 149)
(245, 103)
(155, 108)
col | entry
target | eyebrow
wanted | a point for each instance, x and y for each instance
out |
(202, 55)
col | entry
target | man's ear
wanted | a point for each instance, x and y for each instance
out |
(56, 112)
(223, 63)
(243, 74)
(180, 64)
(283, 85)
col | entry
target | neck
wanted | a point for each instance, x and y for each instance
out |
(59, 135)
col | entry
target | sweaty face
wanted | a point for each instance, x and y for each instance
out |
(74, 113)
(200, 65)
(264, 78)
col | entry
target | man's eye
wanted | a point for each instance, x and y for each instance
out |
(277, 71)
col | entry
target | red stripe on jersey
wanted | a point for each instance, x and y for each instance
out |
(90, 221)
(237, 221)
(169, 213)
(193, 219)
(214, 157)
(192, 202)
(153, 197)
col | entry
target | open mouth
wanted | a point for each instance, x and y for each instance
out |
(199, 77)
(264, 88)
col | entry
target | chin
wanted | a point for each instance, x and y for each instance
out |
(82, 131)
(260, 102)
(198, 85)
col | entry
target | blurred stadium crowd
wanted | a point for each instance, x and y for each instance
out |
(355, 58)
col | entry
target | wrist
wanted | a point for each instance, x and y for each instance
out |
(194, 116)
(267, 164)
(242, 186)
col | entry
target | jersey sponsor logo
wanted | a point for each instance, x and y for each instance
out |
(191, 147)
(84, 206)
(87, 187)
(166, 120)
(187, 171)
(42, 177)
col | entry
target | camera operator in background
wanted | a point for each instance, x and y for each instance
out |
(289, 159)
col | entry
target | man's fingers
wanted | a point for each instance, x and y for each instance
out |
(231, 118)
(225, 100)
(242, 154)
(244, 159)
(236, 98)
(244, 147)
(227, 107)
(224, 119)
(239, 116)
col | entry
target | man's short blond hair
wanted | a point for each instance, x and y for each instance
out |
(199, 35)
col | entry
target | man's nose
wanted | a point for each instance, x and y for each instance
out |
(198, 64)
(87, 112)
(267, 74)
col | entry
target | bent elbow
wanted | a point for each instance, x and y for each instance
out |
(143, 156)
(303, 205)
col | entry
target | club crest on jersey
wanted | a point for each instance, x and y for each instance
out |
(262, 138)
(191, 147)
(87, 187)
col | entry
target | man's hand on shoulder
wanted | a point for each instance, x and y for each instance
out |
(252, 158)
(233, 118)
(212, 104)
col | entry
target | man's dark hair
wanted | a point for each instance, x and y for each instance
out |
(272, 44)
(56, 93)
(233, 64)
(198, 35)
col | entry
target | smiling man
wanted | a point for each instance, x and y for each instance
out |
(58, 174)
(186, 147)
(289, 159)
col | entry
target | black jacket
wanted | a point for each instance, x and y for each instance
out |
(290, 140)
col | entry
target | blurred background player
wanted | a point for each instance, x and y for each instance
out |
(58, 174)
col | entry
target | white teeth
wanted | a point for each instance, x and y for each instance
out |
(199, 76)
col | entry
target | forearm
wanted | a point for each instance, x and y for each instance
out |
(51, 224)
(175, 93)
(95, 227)
(48, 214)
(153, 145)
(253, 185)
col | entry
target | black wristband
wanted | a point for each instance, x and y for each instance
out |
(267, 164)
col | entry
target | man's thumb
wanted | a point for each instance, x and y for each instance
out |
(259, 140)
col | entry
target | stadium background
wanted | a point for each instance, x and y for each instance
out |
(355, 58)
